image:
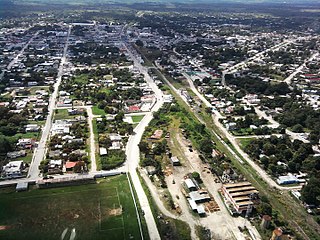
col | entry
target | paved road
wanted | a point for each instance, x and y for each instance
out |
(255, 57)
(14, 61)
(133, 153)
(40, 151)
(288, 80)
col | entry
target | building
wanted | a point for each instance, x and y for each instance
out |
(103, 151)
(13, 169)
(265, 221)
(16, 154)
(70, 166)
(55, 166)
(276, 234)
(175, 161)
(199, 196)
(190, 185)
(26, 143)
(289, 179)
(32, 128)
(239, 196)
(157, 134)
(22, 186)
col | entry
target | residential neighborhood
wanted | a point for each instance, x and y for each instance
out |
(159, 120)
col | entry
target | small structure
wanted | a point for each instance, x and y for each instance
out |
(151, 170)
(190, 185)
(22, 186)
(157, 134)
(265, 222)
(276, 234)
(70, 166)
(175, 161)
(199, 196)
(103, 151)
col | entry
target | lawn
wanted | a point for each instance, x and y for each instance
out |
(62, 114)
(95, 211)
(34, 89)
(137, 119)
(98, 111)
(245, 142)
(34, 135)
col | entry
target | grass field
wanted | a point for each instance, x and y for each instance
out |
(63, 114)
(245, 141)
(96, 211)
(98, 111)
(137, 119)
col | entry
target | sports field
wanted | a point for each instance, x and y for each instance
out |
(96, 211)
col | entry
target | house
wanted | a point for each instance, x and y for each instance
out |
(134, 108)
(114, 137)
(60, 127)
(26, 143)
(157, 134)
(79, 152)
(55, 154)
(231, 126)
(32, 128)
(16, 154)
(13, 169)
(55, 166)
(70, 166)
(115, 146)
(103, 151)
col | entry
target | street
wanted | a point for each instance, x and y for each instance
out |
(40, 151)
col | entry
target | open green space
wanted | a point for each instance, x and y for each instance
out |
(95, 211)
(137, 119)
(244, 142)
(36, 88)
(34, 135)
(62, 114)
(96, 139)
(98, 111)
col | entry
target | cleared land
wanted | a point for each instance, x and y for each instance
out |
(96, 211)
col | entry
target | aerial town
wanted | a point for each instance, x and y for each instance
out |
(159, 121)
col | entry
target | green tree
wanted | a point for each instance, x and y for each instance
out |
(310, 192)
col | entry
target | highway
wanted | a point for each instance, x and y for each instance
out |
(40, 151)
(133, 153)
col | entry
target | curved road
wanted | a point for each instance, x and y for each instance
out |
(133, 153)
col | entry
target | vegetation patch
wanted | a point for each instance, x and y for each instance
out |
(96, 211)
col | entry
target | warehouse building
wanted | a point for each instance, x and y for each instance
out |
(239, 196)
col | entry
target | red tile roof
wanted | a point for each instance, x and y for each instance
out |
(70, 164)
